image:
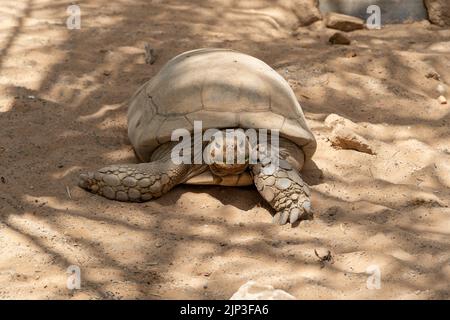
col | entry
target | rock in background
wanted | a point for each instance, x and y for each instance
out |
(344, 136)
(339, 38)
(343, 22)
(256, 291)
(287, 13)
(439, 12)
(392, 11)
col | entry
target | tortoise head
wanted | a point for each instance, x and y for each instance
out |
(228, 152)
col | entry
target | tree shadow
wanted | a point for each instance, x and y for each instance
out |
(75, 119)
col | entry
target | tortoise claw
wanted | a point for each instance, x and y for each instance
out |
(284, 217)
(85, 181)
(276, 218)
(294, 216)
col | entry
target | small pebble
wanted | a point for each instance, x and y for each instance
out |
(339, 38)
(441, 89)
(442, 100)
(433, 75)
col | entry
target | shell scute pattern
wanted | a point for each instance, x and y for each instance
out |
(223, 89)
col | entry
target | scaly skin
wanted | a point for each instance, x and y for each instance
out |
(284, 190)
(135, 182)
(281, 186)
(139, 182)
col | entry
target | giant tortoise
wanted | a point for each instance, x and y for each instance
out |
(224, 90)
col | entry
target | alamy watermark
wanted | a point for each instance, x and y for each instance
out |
(374, 280)
(73, 278)
(74, 19)
(374, 20)
(228, 146)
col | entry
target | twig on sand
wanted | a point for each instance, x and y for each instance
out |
(68, 192)
(150, 56)
(155, 294)
(371, 174)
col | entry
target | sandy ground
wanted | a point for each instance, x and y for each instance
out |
(63, 111)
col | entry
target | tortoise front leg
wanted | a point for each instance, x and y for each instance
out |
(137, 182)
(143, 181)
(284, 189)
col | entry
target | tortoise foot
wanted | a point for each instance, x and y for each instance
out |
(284, 190)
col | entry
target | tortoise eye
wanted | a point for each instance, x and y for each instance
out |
(217, 145)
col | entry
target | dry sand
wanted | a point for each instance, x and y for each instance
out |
(63, 111)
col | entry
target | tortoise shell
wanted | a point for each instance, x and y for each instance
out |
(223, 89)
